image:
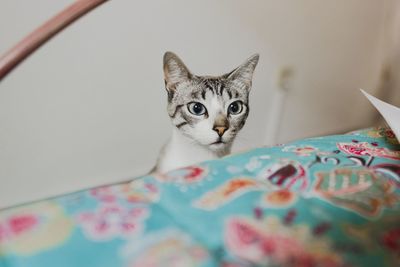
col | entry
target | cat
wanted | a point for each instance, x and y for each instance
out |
(206, 112)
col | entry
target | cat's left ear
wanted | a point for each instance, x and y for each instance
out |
(244, 73)
(175, 71)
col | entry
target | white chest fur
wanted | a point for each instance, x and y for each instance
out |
(180, 151)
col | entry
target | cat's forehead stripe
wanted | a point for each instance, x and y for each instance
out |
(215, 85)
(229, 94)
(203, 94)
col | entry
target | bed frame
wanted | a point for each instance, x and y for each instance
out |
(45, 32)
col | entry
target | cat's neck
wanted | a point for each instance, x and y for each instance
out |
(180, 151)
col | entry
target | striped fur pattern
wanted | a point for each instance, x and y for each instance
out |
(213, 131)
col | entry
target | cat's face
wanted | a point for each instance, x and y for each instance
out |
(208, 110)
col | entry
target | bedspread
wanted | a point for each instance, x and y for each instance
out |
(327, 201)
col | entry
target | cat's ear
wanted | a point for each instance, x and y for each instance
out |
(244, 73)
(175, 71)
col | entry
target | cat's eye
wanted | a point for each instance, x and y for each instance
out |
(196, 108)
(235, 108)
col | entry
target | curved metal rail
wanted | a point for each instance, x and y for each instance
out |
(38, 37)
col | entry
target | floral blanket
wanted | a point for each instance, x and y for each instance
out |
(321, 202)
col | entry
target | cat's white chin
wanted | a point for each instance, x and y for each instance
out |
(219, 147)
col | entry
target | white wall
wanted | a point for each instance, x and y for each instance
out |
(89, 107)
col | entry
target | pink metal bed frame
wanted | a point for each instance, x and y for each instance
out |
(38, 37)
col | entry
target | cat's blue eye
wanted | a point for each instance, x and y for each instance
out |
(235, 108)
(196, 108)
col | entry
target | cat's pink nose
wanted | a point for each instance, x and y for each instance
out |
(220, 130)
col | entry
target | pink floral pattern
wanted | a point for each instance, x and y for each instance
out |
(384, 132)
(137, 191)
(17, 225)
(28, 229)
(270, 242)
(185, 176)
(366, 149)
(104, 193)
(111, 221)
(140, 191)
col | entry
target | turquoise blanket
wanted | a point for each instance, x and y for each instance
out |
(321, 202)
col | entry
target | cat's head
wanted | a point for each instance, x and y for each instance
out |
(210, 110)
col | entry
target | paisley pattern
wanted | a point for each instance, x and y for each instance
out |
(227, 192)
(322, 202)
(360, 190)
(366, 149)
(270, 241)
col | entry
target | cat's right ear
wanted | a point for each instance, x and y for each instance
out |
(244, 73)
(175, 71)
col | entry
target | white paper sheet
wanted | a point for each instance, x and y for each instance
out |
(389, 112)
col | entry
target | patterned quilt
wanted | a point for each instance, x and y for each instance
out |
(320, 202)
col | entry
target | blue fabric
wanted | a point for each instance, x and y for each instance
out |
(328, 201)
